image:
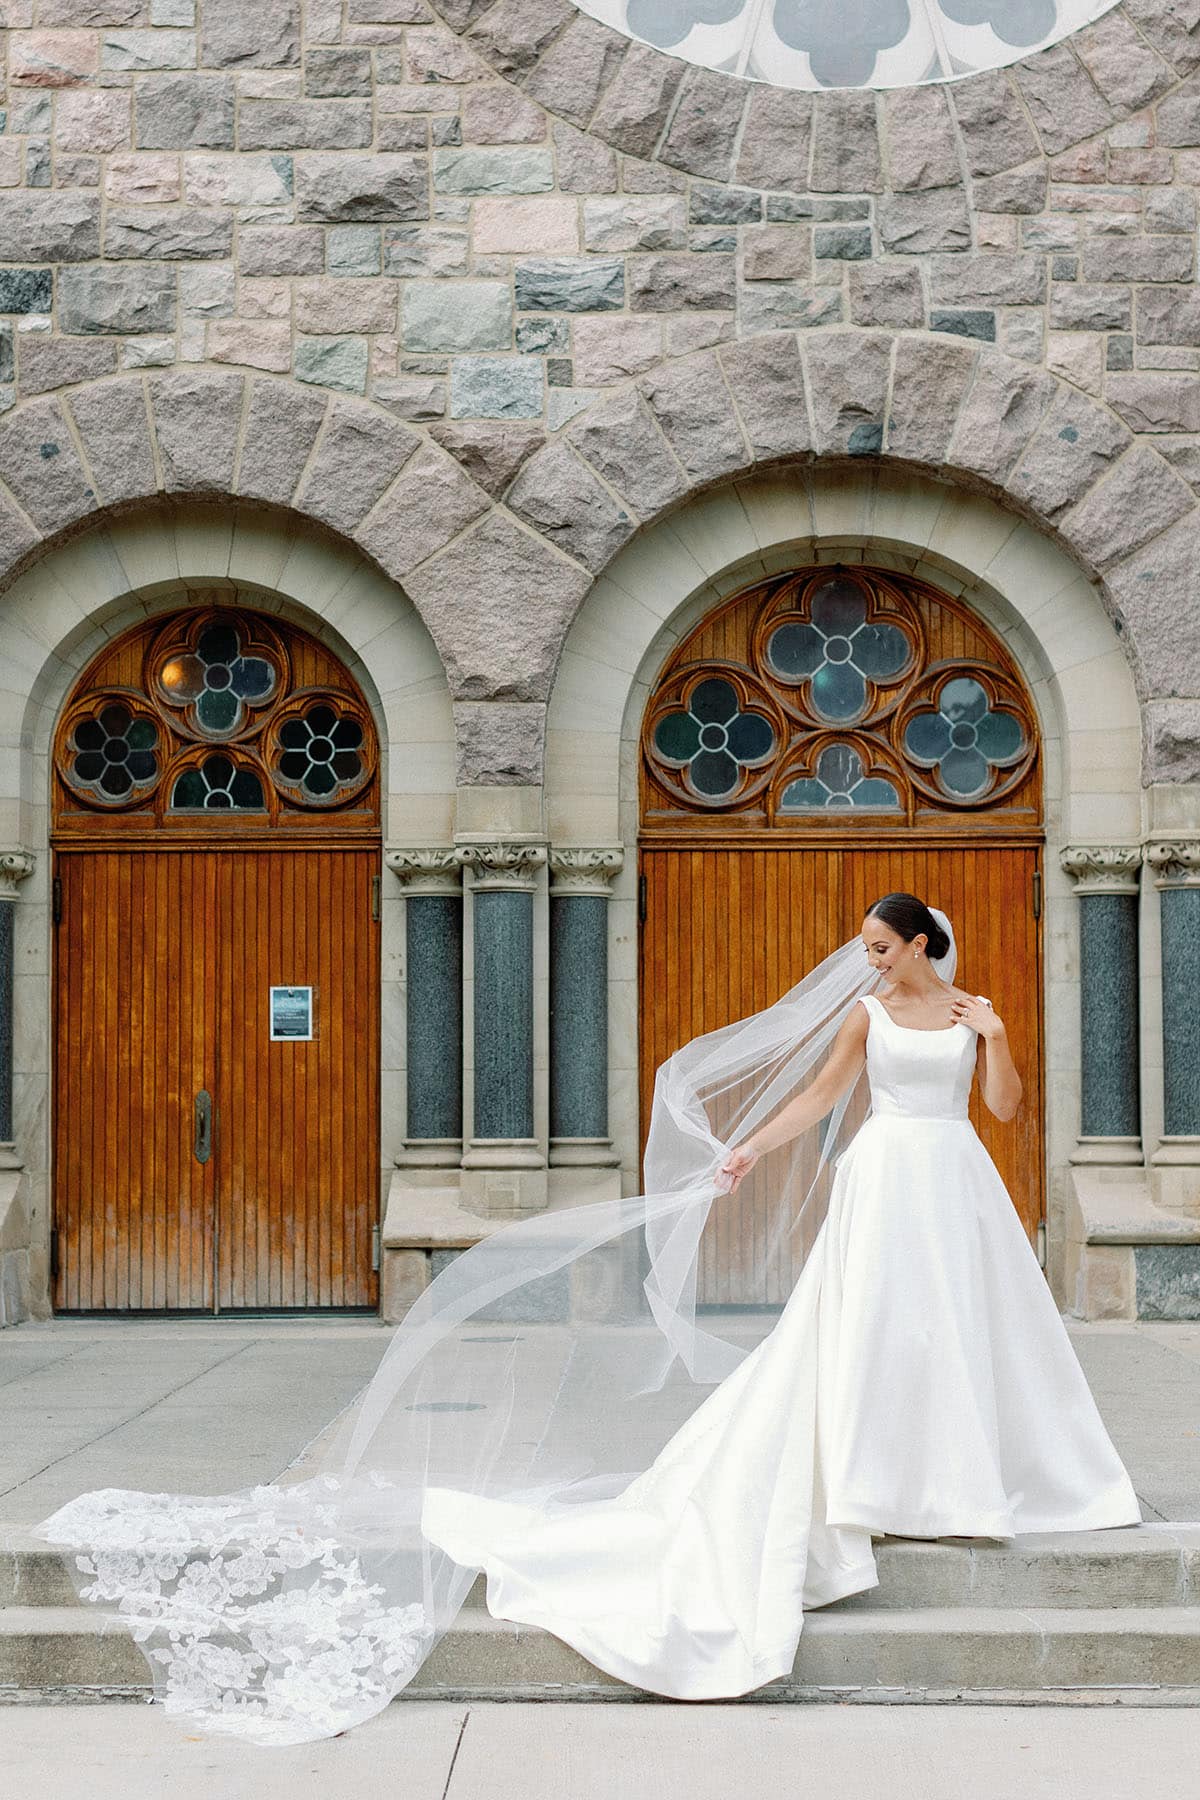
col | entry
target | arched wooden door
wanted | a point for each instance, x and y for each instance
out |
(818, 740)
(216, 975)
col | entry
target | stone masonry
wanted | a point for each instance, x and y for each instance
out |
(490, 276)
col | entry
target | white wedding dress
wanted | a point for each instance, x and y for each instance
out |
(918, 1382)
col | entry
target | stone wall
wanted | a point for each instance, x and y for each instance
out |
(480, 230)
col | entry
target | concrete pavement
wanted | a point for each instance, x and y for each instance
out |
(208, 1406)
(427, 1751)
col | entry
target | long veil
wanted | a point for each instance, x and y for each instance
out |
(547, 1365)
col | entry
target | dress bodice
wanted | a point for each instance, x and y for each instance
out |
(918, 1074)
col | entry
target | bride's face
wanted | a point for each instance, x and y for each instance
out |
(887, 951)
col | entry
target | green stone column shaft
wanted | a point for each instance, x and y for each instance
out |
(1106, 882)
(579, 900)
(1176, 866)
(433, 960)
(503, 883)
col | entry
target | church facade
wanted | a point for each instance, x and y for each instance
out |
(510, 538)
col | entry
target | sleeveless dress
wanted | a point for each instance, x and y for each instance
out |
(919, 1382)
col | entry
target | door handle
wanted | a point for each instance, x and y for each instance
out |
(204, 1124)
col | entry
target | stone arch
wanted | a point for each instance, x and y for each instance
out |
(648, 104)
(1023, 583)
(498, 566)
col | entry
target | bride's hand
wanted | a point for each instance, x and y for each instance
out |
(978, 1014)
(735, 1168)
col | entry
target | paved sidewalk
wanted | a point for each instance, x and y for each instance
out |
(204, 1407)
(427, 1751)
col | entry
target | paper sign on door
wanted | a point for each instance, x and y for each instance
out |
(291, 1012)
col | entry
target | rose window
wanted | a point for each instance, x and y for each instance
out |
(216, 682)
(965, 740)
(837, 651)
(848, 43)
(112, 755)
(321, 753)
(713, 739)
(218, 785)
(840, 781)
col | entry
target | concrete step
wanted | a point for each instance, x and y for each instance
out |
(1153, 1565)
(1042, 1655)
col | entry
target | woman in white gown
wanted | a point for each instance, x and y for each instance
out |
(919, 1381)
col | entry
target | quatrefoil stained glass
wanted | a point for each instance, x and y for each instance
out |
(217, 682)
(965, 740)
(714, 739)
(321, 753)
(836, 651)
(848, 43)
(113, 753)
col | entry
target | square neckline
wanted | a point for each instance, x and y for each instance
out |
(917, 1030)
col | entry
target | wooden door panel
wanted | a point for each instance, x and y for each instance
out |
(298, 1125)
(164, 961)
(729, 929)
(134, 1026)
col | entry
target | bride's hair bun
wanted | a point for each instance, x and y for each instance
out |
(909, 917)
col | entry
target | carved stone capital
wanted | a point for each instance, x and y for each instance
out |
(437, 871)
(1176, 862)
(15, 866)
(584, 871)
(1103, 868)
(502, 865)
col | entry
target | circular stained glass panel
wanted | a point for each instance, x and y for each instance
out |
(848, 43)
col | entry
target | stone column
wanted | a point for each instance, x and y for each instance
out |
(1106, 881)
(503, 1144)
(1176, 1162)
(579, 890)
(433, 930)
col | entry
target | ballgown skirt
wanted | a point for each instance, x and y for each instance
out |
(919, 1382)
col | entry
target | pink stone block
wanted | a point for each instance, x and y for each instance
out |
(53, 58)
(537, 223)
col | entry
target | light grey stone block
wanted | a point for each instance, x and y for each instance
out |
(281, 427)
(304, 124)
(634, 107)
(167, 234)
(362, 188)
(1077, 443)
(561, 498)
(185, 112)
(1140, 499)
(430, 503)
(682, 283)
(196, 421)
(1154, 402)
(934, 219)
(766, 378)
(499, 744)
(703, 131)
(495, 387)
(929, 382)
(576, 68)
(236, 36)
(333, 362)
(99, 298)
(462, 315)
(922, 145)
(498, 603)
(49, 228)
(621, 441)
(695, 414)
(887, 293)
(996, 132)
(776, 139)
(846, 157)
(569, 284)
(523, 171)
(114, 429)
(41, 466)
(847, 386)
(359, 455)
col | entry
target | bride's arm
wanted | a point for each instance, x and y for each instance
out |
(998, 1079)
(808, 1106)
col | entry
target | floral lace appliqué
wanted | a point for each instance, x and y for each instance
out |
(259, 1620)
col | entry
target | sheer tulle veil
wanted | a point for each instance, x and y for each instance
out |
(547, 1365)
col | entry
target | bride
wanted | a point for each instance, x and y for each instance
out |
(653, 1488)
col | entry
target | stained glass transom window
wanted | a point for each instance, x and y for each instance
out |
(218, 785)
(839, 692)
(219, 711)
(848, 43)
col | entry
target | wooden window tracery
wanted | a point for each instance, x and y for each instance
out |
(217, 718)
(835, 698)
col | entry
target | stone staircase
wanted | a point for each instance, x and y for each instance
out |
(1097, 1618)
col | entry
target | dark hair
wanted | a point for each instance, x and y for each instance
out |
(909, 917)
